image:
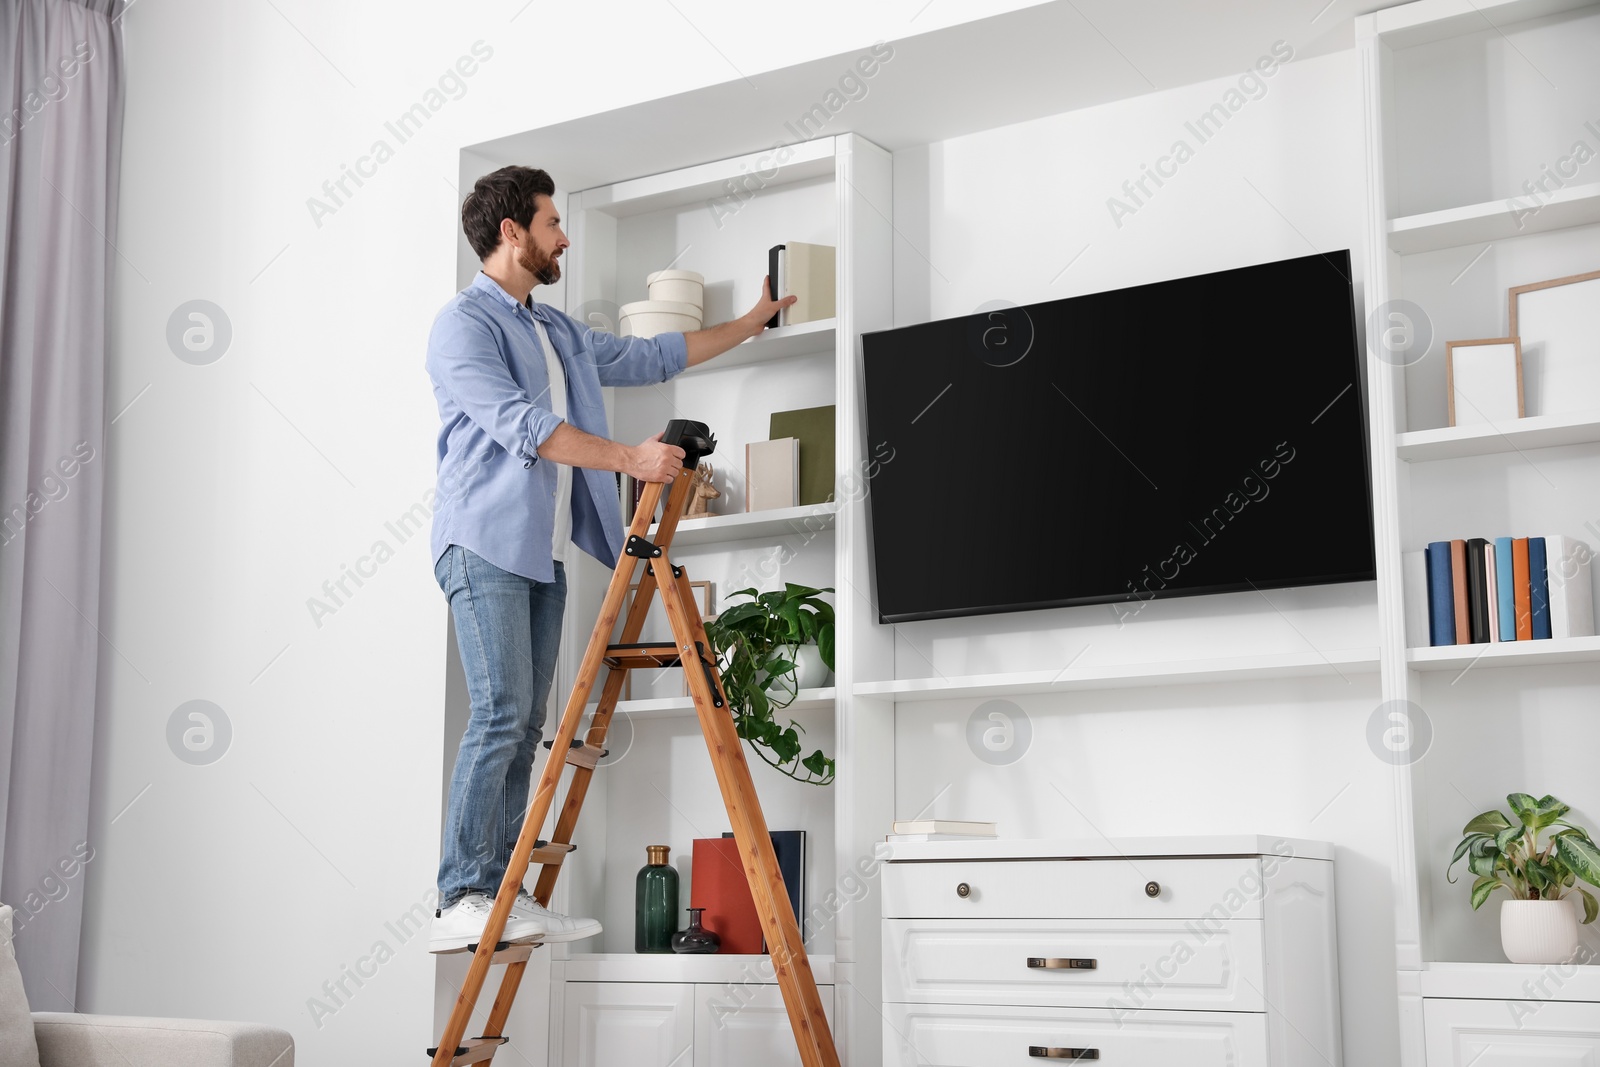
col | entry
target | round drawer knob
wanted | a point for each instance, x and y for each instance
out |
(1152, 889)
(963, 890)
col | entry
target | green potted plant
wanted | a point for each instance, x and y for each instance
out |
(1538, 923)
(758, 644)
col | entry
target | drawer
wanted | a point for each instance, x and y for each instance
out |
(1511, 1033)
(1214, 888)
(1018, 1037)
(1123, 964)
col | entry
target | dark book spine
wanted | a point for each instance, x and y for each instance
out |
(1441, 605)
(772, 279)
(1538, 588)
(1477, 590)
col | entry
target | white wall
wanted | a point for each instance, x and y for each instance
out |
(235, 489)
(1000, 215)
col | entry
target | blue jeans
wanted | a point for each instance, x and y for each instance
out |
(508, 628)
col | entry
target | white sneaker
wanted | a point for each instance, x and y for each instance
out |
(557, 927)
(462, 924)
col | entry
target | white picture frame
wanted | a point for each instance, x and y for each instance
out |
(1558, 322)
(1483, 381)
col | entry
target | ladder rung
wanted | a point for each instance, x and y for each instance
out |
(553, 852)
(517, 953)
(585, 756)
(642, 656)
(476, 1050)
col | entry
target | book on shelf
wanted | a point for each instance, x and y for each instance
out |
(1509, 589)
(771, 474)
(1506, 588)
(809, 275)
(813, 429)
(1458, 582)
(963, 828)
(1520, 588)
(717, 883)
(1571, 595)
(1441, 595)
(1477, 591)
(775, 281)
(790, 848)
(1538, 590)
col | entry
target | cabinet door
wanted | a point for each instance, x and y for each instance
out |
(747, 1026)
(627, 1024)
(1511, 1033)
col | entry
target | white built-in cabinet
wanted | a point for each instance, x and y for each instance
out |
(1470, 110)
(676, 1024)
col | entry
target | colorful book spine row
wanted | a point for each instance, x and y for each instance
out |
(1508, 589)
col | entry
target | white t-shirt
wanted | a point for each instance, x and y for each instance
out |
(558, 405)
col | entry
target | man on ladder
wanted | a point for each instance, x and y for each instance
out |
(518, 383)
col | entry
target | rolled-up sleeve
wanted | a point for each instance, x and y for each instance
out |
(635, 360)
(465, 363)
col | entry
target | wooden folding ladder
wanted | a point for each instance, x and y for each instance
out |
(692, 651)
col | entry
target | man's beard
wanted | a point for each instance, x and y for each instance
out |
(540, 264)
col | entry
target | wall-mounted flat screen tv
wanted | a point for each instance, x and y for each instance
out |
(1199, 435)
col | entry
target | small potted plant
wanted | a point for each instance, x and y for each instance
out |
(760, 644)
(1538, 923)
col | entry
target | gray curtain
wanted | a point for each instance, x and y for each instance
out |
(60, 143)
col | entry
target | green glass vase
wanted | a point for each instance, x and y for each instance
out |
(655, 908)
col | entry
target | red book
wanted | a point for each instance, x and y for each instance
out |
(1521, 589)
(718, 885)
(1458, 578)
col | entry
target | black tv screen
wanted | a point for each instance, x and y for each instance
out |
(1199, 435)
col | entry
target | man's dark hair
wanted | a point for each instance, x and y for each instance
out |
(507, 193)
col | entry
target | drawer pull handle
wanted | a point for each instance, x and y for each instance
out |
(963, 890)
(1152, 889)
(1049, 1052)
(1062, 963)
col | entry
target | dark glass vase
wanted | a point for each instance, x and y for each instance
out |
(655, 908)
(696, 940)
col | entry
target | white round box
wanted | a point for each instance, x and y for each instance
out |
(646, 318)
(677, 286)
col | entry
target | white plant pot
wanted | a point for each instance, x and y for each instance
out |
(646, 318)
(809, 670)
(1538, 931)
(679, 286)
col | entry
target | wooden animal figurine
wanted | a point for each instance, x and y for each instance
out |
(701, 493)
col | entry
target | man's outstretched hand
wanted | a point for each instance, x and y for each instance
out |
(656, 461)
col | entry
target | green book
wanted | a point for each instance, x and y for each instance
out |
(814, 429)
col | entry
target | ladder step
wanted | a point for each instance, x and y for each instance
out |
(642, 656)
(550, 852)
(517, 953)
(585, 756)
(476, 1050)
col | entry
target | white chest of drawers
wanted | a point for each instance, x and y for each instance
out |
(1213, 952)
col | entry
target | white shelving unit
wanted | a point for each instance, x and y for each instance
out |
(1341, 662)
(662, 791)
(1461, 104)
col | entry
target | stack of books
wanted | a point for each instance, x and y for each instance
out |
(1508, 589)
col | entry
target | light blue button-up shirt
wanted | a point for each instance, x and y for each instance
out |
(494, 496)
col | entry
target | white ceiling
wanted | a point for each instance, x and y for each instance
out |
(1040, 60)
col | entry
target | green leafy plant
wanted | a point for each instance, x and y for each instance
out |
(1507, 855)
(756, 643)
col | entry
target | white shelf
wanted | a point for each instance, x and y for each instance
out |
(672, 707)
(1517, 435)
(1344, 662)
(707, 181)
(1435, 20)
(1511, 981)
(1001, 848)
(779, 342)
(1505, 654)
(1575, 205)
(805, 520)
(714, 969)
